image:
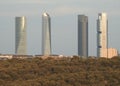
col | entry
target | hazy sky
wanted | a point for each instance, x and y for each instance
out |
(63, 23)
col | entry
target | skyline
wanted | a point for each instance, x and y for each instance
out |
(64, 18)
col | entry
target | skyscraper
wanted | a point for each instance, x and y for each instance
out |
(20, 37)
(102, 35)
(83, 35)
(46, 34)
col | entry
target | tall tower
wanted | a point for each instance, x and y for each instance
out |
(46, 34)
(83, 35)
(102, 35)
(20, 37)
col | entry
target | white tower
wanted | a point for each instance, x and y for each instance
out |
(20, 37)
(46, 34)
(102, 35)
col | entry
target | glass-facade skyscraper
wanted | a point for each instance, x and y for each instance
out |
(102, 35)
(20, 36)
(83, 35)
(46, 34)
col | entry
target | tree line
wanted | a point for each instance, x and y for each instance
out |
(74, 71)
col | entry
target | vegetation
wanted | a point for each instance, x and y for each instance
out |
(63, 72)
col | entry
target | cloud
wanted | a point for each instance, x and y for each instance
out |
(58, 7)
(23, 2)
(63, 10)
(30, 1)
(71, 10)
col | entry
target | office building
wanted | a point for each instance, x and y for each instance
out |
(83, 35)
(102, 35)
(20, 36)
(112, 52)
(46, 34)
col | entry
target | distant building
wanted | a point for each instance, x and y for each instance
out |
(6, 56)
(109, 53)
(20, 36)
(102, 35)
(83, 35)
(46, 34)
(112, 52)
(23, 56)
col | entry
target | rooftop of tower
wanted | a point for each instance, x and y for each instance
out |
(45, 14)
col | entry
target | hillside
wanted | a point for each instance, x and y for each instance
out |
(63, 72)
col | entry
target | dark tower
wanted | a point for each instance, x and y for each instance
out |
(83, 35)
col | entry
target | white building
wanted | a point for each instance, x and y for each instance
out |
(102, 35)
(6, 56)
(20, 36)
(112, 52)
(46, 34)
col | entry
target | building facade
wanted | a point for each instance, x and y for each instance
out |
(83, 35)
(46, 34)
(102, 35)
(112, 52)
(20, 36)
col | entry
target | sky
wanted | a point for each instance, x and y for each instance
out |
(63, 23)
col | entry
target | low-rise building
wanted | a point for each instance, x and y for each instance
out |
(6, 56)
